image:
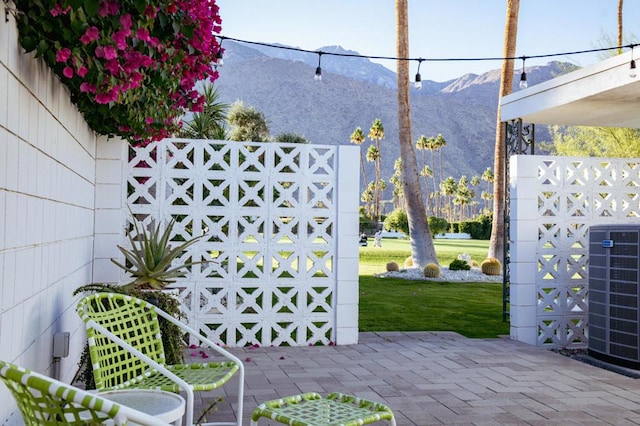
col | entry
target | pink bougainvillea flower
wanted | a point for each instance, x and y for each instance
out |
(247, 359)
(82, 71)
(148, 120)
(143, 34)
(110, 52)
(67, 72)
(150, 11)
(110, 96)
(120, 39)
(87, 88)
(112, 66)
(194, 353)
(63, 55)
(107, 8)
(127, 57)
(91, 34)
(192, 346)
(58, 10)
(125, 21)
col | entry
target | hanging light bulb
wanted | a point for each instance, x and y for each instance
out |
(632, 66)
(418, 82)
(219, 61)
(523, 80)
(318, 76)
(523, 77)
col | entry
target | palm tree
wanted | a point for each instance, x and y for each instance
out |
(487, 176)
(438, 143)
(421, 145)
(431, 146)
(496, 244)
(422, 248)
(357, 138)
(210, 123)
(396, 180)
(426, 173)
(475, 181)
(376, 133)
(448, 188)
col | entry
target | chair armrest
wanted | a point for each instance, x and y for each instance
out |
(201, 338)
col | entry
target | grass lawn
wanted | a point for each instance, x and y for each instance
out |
(386, 304)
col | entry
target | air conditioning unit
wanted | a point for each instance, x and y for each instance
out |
(614, 293)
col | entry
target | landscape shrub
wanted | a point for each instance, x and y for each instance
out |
(397, 220)
(459, 265)
(392, 267)
(437, 225)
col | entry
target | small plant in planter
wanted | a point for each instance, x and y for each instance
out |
(151, 257)
(151, 263)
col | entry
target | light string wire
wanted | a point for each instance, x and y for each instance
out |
(421, 59)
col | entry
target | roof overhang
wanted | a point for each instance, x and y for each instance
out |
(602, 94)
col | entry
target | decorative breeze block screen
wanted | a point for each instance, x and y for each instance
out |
(568, 195)
(268, 214)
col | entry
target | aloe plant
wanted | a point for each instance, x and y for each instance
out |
(151, 257)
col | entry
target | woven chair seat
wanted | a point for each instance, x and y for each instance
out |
(202, 377)
(310, 409)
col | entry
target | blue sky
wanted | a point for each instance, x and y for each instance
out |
(437, 28)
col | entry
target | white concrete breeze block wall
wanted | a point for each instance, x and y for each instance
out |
(47, 182)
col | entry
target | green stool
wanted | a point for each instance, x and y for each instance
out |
(310, 409)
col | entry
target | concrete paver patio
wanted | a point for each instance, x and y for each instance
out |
(432, 378)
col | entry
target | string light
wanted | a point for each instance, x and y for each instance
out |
(523, 77)
(632, 66)
(418, 82)
(318, 76)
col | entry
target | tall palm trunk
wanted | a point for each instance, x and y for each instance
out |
(496, 244)
(620, 36)
(422, 249)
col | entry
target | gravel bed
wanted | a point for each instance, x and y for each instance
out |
(474, 275)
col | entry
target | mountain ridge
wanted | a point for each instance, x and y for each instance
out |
(354, 92)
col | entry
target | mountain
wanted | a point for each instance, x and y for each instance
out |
(354, 92)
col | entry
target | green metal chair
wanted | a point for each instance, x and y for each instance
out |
(126, 351)
(46, 401)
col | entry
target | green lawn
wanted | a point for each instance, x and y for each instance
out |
(386, 304)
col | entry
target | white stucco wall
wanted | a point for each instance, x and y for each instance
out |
(47, 181)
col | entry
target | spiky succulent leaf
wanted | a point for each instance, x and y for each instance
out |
(151, 256)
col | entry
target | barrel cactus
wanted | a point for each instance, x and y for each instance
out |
(408, 262)
(392, 267)
(491, 266)
(432, 270)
